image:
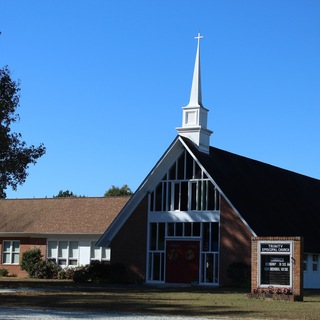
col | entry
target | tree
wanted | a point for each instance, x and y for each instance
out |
(65, 194)
(15, 156)
(118, 192)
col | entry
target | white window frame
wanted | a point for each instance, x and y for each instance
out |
(11, 253)
(103, 253)
(62, 254)
(276, 253)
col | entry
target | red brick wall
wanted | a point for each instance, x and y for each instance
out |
(25, 245)
(298, 247)
(129, 246)
(235, 242)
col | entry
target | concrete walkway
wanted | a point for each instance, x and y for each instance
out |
(14, 314)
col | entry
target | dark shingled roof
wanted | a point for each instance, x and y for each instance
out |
(59, 215)
(273, 201)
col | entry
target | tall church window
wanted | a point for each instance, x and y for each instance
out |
(185, 187)
(156, 251)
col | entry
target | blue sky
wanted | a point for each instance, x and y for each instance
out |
(103, 84)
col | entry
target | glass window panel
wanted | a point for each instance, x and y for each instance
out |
(6, 258)
(52, 249)
(6, 246)
(184, 196)
(314, 267)
(205, 236)
(193, 196)
(158, 197)
(63, 249)
(15, 258)
(196, 229)
(211, 196)
(152, 201)
(106, 253)
(153, 236)
(156, 266)
(315, 258)
(199, 195)
(187, 229)
(95, 251)
(179, 227)
(62, 262)
(209, 267)
(162, 266)
(197, 173)
(73, 262)
(164, 197)
(172, 172)
(15, 246)
(181, 167)
(73, 249)
(170, 230)
(214, 236)
(161, 235)
(176, 196)
(204, 195)
(189, 166)
(170, 204)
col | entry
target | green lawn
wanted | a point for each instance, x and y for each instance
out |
(162, 300)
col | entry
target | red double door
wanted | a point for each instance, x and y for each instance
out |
(182, 261)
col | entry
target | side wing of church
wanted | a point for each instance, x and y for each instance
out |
(193, 217)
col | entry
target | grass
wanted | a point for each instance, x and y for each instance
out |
(205, 302)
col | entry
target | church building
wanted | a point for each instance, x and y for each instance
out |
(193, 217)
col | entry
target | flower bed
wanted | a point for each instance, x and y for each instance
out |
(274, 293)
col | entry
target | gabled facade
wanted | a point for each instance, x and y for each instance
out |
(194, 215)
(65, 229)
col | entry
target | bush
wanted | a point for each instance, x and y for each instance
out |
(36, 267)
(46, 270)
(30, 260)
(101, 272)
(240, 273)
(81, 275)
(4, 272)
(66, 273)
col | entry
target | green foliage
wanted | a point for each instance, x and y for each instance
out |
(65, 194)
(46, 270)
(66, 273)
(30, 260)
(36, 267)
(118, 192)
(15, 156)
(100, 272)
(4, 272)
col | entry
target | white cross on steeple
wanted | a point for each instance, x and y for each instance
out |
(198, 37)
(194, 117)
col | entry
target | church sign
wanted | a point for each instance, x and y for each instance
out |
(275, 263)
(277, 268)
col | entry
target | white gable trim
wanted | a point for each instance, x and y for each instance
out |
(149, 183)
(219, 189)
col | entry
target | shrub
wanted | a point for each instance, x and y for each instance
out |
(36, 267)
(4, 272)
(30, 260)
(81, 275)
(66, 273)
(46, 270)
(102, 272)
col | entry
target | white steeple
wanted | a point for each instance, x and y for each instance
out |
(194, 115)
